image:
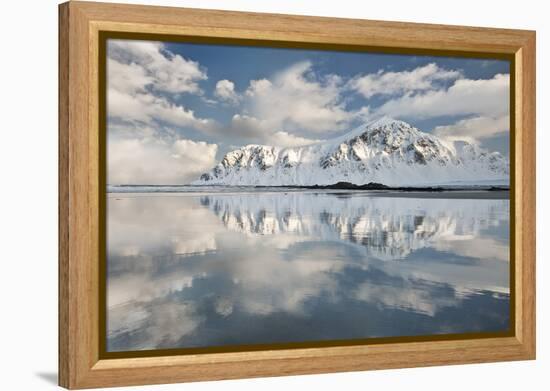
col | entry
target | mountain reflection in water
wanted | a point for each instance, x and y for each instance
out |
(193, 270)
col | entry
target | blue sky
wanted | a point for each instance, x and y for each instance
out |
(182, 106)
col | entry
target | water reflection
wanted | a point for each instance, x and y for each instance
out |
(222, 269)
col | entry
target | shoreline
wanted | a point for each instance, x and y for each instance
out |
(371, 186)
(338, 189)
(380, 186)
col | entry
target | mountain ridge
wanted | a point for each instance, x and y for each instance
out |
(386, 151)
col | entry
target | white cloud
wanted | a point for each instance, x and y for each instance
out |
(225, 90)
(133, 130)
(143, 142)
(199, 152)
(136, 70)
(148, 109)
(249, 129)
(284, 139)
(484, 97)
(165, 71)
(127, 78)
(476, 128)
(155, 161)
(363, 114)
(258, 87)
(298, 100)
(391, 83)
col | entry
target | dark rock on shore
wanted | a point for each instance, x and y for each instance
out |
(368, 186)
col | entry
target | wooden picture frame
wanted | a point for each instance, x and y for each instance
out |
(81, 152)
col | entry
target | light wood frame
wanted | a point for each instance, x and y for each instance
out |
(80, 23)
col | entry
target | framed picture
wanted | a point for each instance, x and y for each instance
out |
(247, 195)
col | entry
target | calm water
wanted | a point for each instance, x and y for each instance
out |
(235, 267)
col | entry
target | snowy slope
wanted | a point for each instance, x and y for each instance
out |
(386, 151)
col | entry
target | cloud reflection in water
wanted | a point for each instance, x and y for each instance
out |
(223, 269)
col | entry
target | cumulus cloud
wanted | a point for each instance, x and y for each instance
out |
(163, 70)
(144, 145)
(481, 105)
(150, 109)
(298, 100)
(157, 161)
(138, 72)
(484, 97)
(392, 83)
(225, 91)
(258, 87)
(248, 130)
(473, 129)
(127, 78)
(289, 109)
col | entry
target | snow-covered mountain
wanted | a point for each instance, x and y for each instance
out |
(385, 151)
